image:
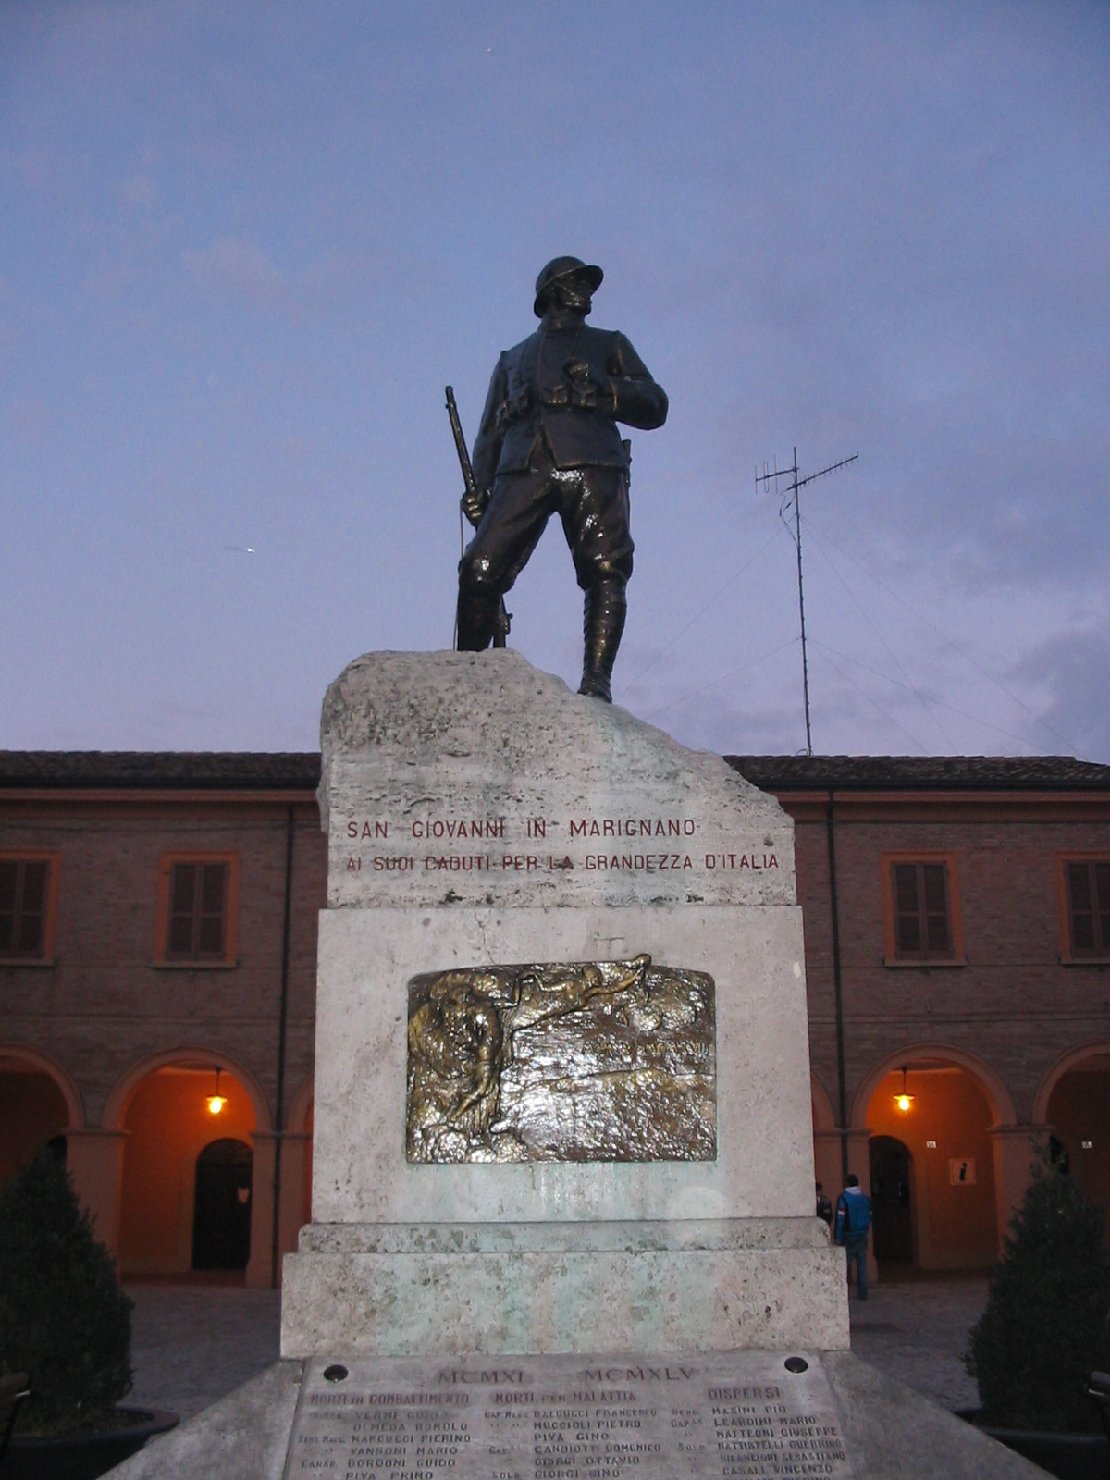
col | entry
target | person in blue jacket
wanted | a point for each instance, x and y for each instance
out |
(853, 1223)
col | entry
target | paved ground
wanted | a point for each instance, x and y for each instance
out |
(916, 1330)
(194, 1343)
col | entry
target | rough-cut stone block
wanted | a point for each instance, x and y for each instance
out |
(470, 779)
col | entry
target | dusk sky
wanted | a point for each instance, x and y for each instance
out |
(244, 245)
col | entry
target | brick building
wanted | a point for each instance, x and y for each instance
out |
(157, 922)
(957, 923)
(157, 948)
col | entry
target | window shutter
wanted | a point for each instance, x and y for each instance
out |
(921, 909)
(197, 925)
(1088, 888)
(24, 889)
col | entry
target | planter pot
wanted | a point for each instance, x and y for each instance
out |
(82, 1456)
(1067, 1456)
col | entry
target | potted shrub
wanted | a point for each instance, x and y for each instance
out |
(67, 1324)
(1045, 1326)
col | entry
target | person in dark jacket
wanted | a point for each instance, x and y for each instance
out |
(549, 443)
(824, 1207)
(853, 1223)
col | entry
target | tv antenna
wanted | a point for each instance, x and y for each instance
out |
(789, 496)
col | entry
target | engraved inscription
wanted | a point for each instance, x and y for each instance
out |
(580, 1061)
(756, 1414)
(431, 844)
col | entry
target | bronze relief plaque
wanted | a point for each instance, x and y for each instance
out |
(580, 1061)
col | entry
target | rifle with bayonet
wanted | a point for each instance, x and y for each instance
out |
(474, 502)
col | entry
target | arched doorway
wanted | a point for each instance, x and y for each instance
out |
(891, 1200)
(169, 1121)
(933, 1153)
(222, 1205)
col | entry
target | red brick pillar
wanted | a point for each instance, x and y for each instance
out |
(95, 1162)
(826, 1158)
(260, 1265)
(291, 1211)
(859, 1157)
(293, 1214)
(1014, 1151)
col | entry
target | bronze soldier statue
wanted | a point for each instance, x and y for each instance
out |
(549, 443)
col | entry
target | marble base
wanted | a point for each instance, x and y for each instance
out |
(709, 1286)
(889, 1432)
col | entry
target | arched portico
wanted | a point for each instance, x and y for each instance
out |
(62, 1102)
(164, 1111)
(38, 1102)
(1073, 1101)
(950, 1153)
(201, 1060)
(925, 1055)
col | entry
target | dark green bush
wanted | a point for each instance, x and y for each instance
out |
(63, 1318)
(1047, 1317)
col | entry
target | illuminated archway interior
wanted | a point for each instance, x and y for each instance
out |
(936, 1195)
(169, 1123)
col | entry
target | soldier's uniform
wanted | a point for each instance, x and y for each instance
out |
(549, 443)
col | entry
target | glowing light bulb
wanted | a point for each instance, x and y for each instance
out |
(216, 1102)
(902, 1100)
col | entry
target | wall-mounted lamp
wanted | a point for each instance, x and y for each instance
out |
(903, 1101)
(216, 1102)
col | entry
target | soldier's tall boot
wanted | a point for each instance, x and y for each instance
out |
(603, 625)
(476, 620)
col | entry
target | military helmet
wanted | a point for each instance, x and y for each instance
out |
(560, 267)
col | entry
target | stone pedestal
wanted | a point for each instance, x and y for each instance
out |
(481, 820)
(480, 815)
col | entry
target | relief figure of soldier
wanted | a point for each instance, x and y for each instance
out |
(461, 1037)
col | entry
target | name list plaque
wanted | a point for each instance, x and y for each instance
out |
(750, 1413)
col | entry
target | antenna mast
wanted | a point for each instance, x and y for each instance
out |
(791, 492)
